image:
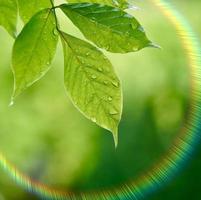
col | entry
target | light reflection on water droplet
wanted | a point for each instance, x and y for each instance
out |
(115, 83)
(100, 69)
(94, 76)
(109, 98)
(105, 82)
(55, 32)
(113, 112)
(93, 119)
(135, 48)
(11, 103)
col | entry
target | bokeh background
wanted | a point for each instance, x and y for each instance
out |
(49, 140)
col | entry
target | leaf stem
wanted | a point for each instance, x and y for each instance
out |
(55, 15)
(51, 1)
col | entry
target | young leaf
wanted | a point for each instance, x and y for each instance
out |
(34, 50)
(28, 8)
(108, 27)
(115, 3)
(8, 16)
(92, 84)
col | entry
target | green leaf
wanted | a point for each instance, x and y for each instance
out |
(28, 8)
(92, 84)
(115, 3)
(34, 50)
(109, 28)
(8, 16)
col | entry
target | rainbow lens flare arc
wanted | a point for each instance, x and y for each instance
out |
(171, 163)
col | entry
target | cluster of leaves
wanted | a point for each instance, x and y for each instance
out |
(89, 77)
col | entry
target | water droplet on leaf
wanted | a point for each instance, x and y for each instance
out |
(100, 69)
(55, 32)
(105, 82)
(109, 98)
(113, 112)
(135, 48)
(93, 119)
(115, 83)
(94, 76)
(11, 103)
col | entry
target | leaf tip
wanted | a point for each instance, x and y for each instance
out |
(11, 102)
(16, 92)
(115, 137)
(132, 7)
(153, 45)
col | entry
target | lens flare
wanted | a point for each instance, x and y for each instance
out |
(171, 163)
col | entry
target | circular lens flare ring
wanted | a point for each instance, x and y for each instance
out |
(171, 163)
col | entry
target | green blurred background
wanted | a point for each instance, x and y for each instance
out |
(48, 139)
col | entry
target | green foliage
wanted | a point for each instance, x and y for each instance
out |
(8, 15)
(108, 27)
(33, 50)
(115, 3)
(90, 79)
(92, 83)
(27, 8)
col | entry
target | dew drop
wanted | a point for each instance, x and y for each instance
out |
(128, 33)
(113, 112)
(93, 119)
(11, 103)
(135, 48)
(94, 76)
(100, 69)
(55, 32)
(115, 83)
(109, 98)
